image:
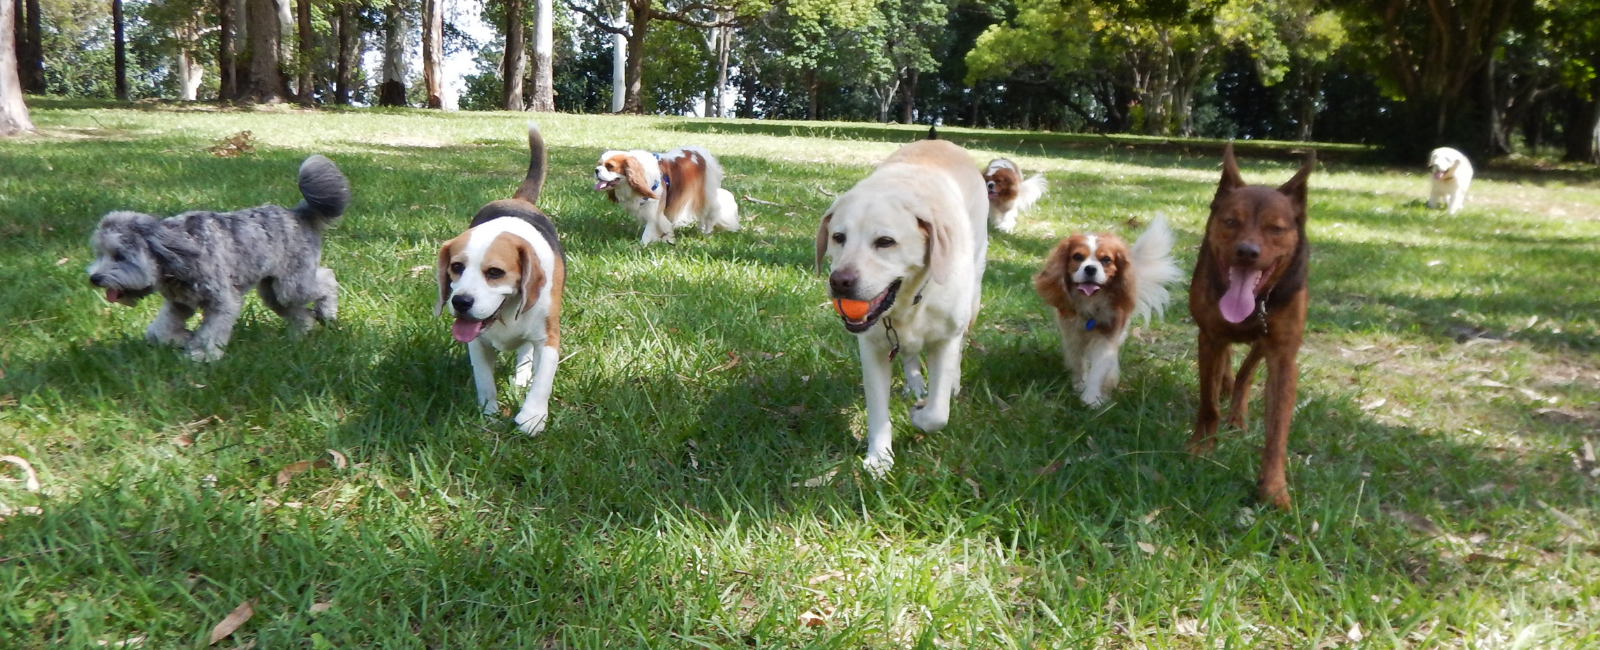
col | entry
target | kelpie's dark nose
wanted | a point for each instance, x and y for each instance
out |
(98, 279)
(1247, 253)
(462, 304)
(843, 282)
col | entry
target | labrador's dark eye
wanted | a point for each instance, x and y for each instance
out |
(1077, 257)
(457, 268)
(838, 238)
(494, 273)
(1106, 261)
(883, 242)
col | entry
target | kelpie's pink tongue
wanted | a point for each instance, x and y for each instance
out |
(466, 330)
(1240, 300)
(112, 295)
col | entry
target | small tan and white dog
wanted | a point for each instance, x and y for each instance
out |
(668, 191)
(908, 245)
(1452, 175)
(1009, 194)
(503, 279)
(1098, 285)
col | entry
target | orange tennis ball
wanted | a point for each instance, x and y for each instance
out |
(852, 309)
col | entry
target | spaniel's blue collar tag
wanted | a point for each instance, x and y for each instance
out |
(1089, 326)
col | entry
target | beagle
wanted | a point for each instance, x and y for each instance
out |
(503, 280)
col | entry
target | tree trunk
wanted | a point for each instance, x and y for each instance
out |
(724, 48)
(347, 50)
(308, 83)
(632, 103)
(811, 93)
(266, 79)
(13, 112)
(227, 84)
(747, 92)
(619, 65)
(190, 72)
(544, 91)
(31, 67)
(1582, 132)
(515, 66)
(908, 112)
(119, 60)
(392, 89)
(241, 49)
(433, 53)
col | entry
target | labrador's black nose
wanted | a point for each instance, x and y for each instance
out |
(462, 304)
(843, 282)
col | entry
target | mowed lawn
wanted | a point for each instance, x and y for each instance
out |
(700, 483)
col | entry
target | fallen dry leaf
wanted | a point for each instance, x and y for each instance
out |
(1187, 627)
(1418, 523)
(321, 607)
(419, 270)
(1079, 582)
(234, 620)
(1050, 469)
(815, 618)
(819, 480)
(976, 493)
(1147, 547)
(183, 440)
(1150, 517)
(1374, 404)
(125, 643)
(1354, 633)
(233, 145)
(1569, 520)
(293, 469)
(30, 479)
(824, 577)
(1013, 583)
(339, 459)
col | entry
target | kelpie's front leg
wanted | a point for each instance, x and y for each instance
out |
(1213, 358)
(1283, 376)
(1238, 400)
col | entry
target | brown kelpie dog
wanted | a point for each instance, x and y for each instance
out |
(1250, 287)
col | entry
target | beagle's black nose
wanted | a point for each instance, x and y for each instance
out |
(843, 282)
(462, 304)
(1247, 253)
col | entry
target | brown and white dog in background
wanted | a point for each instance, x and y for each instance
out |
(503, 280)
(668, 191)
(1249, 286)
(1009, 194)
(1097, 285)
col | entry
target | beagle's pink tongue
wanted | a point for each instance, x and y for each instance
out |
(112, 295)
(1240, 300)
(465, 330)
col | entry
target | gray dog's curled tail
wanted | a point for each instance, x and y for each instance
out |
(325, 190)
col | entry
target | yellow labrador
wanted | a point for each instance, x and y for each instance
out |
(908, 245)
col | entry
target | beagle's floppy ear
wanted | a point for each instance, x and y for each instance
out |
(443, 272)
(532, 276)
(937, 255)
(635, 176)
(1295, 189)
(822, 241)
(1231, 180)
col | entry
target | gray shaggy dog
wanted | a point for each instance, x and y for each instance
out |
(207, 261)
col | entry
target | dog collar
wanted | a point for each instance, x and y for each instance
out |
(1089, 326)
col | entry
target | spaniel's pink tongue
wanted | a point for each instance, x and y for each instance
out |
(1240, 300)
(600, 185)
(112, 295)
(1088, 289)
(465, 330)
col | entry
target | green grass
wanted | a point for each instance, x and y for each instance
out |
(667, 504)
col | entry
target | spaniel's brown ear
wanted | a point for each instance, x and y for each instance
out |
(635, 176)
(443, 272)
(937, 257)
(1231, 180)
(532, 275)
(1048, 281)
(1295, 189)
(822, 241)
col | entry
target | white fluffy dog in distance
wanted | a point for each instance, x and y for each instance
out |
(1452, 175)
(908, 245)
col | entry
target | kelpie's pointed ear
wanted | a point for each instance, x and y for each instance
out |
(1230, 172)
(1295, 189)
(822, 241)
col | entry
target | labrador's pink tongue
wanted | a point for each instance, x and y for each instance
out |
(1438, 175)
(466, 330)
(112, 295)
(1240, 300)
